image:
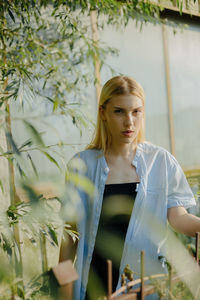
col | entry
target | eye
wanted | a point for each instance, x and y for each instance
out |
(118, 110)
(137, 111)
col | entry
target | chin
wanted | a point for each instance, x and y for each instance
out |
(128, 142)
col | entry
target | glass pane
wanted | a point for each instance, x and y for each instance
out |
(184, 50)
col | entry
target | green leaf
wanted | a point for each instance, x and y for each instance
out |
(12, 143)
(35, 134)
(52, 234)
(27, 73)
(22, 173)
(32, 164)
(1, 149)
(55, 104)
(32, 196)
(50, 99)
(74, 234)
(26, 143)
(11, 15)
(50, 158)
(1, 186)
(6, 245)
(10, 71)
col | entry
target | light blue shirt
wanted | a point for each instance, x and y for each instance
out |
(162, 185)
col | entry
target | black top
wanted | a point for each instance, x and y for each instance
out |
(118, 200)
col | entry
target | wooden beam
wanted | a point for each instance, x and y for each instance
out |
(188, 11)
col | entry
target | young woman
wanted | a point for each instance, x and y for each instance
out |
(145, 176)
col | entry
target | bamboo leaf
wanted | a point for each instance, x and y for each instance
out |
(32, 196)
(26, 143)
(11, 15)
(50, 158)
(35, 134)
(22, 173)
(6, 245)
(52, 234)
(1, 186)
(1, 149)
(74, 235)
(12, 143)
(50, 99)
(55, 104)
(32, 164)
(27, 73)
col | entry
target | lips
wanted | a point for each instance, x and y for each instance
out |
(127, 132)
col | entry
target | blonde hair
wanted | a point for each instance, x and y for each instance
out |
(118, 85)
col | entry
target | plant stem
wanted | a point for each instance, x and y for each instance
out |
(13, 194)
(43, 253)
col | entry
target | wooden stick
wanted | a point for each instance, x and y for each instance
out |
(170, 282)
(197, 247)
(142, 275)
(109, 264)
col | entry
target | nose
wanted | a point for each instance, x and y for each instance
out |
(129, 120)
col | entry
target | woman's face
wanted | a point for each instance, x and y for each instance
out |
(123, 115)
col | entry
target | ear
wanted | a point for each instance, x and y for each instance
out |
(102, 112)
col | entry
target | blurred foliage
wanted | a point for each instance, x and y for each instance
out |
(36, 218)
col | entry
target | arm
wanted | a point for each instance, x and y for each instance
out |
(182, 221)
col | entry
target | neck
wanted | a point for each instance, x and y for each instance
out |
(126, 151)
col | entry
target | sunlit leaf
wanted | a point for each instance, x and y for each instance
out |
(81, 182)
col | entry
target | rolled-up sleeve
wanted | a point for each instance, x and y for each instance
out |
(179, 191)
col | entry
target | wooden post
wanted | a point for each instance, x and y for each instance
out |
(142, 276)
(65, 275)
(169, 93)
(197, 247)
(109, 264)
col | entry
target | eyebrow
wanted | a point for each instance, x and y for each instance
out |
(118, 107)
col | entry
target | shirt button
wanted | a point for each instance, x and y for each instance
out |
(106, 169)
